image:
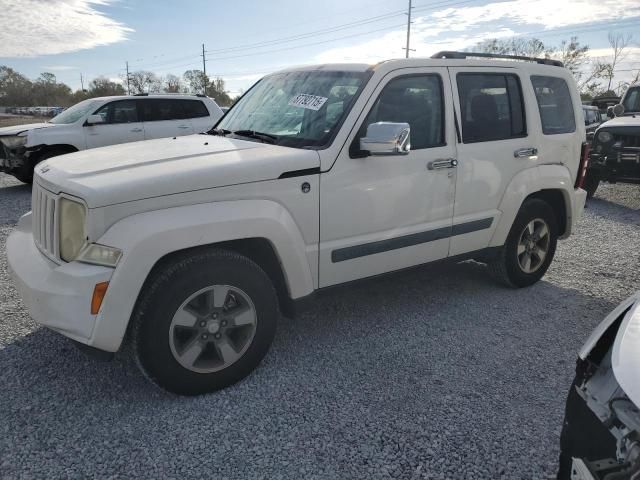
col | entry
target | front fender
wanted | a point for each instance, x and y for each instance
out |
(532, 180)
(147, 237)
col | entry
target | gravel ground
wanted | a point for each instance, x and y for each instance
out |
(434, 373)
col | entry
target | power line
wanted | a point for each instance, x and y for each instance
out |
(357, 23)
(308, 44)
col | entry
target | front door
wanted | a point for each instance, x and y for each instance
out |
(387, 212)
(121, 125)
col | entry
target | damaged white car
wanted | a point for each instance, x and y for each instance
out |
(601, 433)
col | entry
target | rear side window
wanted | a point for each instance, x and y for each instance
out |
(160, 109)
(491, 107)
(193, 109)
(554, 104)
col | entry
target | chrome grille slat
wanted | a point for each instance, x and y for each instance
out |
(44, 221)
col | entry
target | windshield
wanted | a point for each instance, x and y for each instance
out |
(632, 100)
(298, 109)
(75, 113)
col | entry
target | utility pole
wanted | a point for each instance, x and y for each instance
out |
(81, 83)
(409, 31)
(204, 70)
(128, 88)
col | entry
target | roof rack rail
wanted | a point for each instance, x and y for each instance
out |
(201, 95)
(141, 95)
(464, 55)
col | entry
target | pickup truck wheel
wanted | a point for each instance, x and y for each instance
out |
(530, 246)
(204, 322)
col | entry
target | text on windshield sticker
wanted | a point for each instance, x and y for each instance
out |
(312, 102)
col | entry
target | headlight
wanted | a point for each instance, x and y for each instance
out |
(14, 142)
(100, 255)
(605, 137)
(71, 236)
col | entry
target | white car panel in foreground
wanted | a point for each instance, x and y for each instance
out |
(601, 433)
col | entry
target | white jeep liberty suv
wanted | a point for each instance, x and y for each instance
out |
(190, 247)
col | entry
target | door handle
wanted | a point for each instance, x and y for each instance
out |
(525, 152)
(136, 130)
(183, 127)
(442, 163)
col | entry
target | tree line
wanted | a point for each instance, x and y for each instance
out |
(595, 76)
(17, 90)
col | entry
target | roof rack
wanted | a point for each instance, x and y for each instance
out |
(464, 55)
(141, 95)
(201, 95)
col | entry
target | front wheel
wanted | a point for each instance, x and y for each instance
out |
(530, 246)
(204, 322)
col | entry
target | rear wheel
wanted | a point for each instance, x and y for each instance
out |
(530, 246)
(204, 322)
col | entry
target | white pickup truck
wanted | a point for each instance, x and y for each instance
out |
(191, 247)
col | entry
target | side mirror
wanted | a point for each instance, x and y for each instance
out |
(94, 120)
(387, 138)
(618, 109)
(610, 112)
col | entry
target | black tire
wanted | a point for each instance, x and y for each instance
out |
(505, 268)
(166, 291)
(591, 183)
(25, 172)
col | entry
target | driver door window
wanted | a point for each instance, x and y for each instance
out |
(121, 125)
(416, 100)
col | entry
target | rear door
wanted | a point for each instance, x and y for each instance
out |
(495, 146)
(122, 125)
(164, 117)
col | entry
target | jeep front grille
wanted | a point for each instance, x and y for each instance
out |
(628, 140)
(45, 232)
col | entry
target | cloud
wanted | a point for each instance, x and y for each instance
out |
(58, 68)
(47, 27)
(459, 28)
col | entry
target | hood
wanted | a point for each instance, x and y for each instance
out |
(625, 358)
(605, 324)
(16, 129)
(153, 168)
(623, 121)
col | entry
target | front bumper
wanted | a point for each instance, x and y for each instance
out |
(56, 296)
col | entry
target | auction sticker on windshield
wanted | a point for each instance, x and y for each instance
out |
(312, 102)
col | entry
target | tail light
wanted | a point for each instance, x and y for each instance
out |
(584, 164)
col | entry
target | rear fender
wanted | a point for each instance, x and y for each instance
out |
(526, 183)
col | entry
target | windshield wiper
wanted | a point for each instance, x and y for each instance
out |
(265, 137)
(219, 131)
